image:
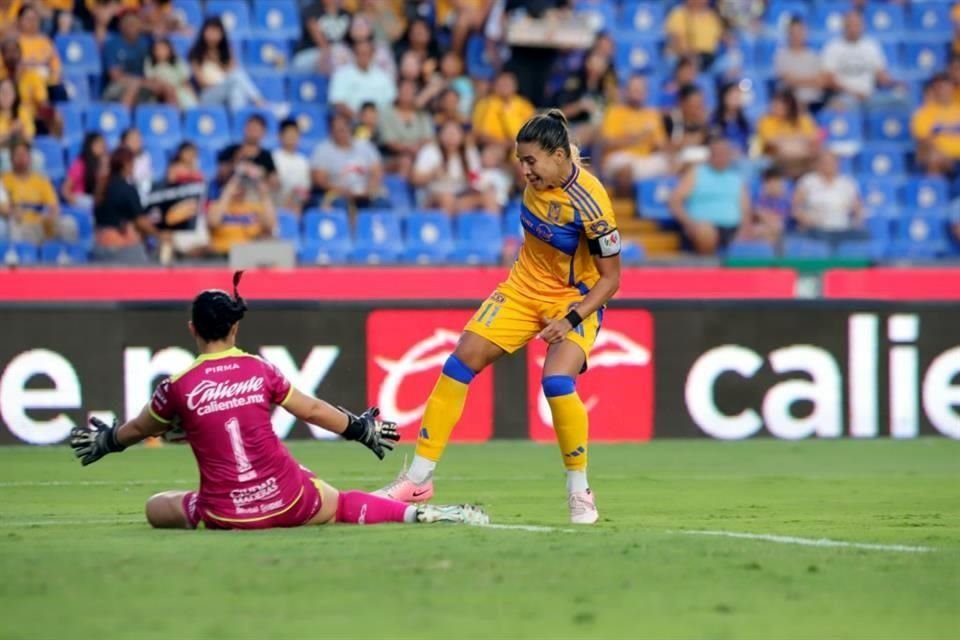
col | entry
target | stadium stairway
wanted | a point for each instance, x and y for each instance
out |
(656, 242)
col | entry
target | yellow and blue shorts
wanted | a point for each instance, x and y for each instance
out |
(510, 320)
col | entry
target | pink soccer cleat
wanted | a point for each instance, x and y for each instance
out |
(406, 490)
(582, 508)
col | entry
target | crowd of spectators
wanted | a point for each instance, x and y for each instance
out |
(739, 107)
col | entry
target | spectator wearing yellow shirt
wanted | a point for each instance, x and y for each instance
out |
(498, 117)
(936, 127)
(694, 28)
(788, 135)
(244, 211)
(35, 211)
(39, 53)
(633, 138)
(31, 87)
(9, 9)
(15, 121)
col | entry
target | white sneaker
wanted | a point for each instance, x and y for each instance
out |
(457, 513)
(583, 510)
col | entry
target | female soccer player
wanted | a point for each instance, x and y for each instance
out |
(248, 479)
(568, 268)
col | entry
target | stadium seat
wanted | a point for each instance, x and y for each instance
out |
(885, 21)
(159, 159)
(52, 150)
(926, 194)
(159, 124)
(308, 88)
(479, 238)
(61, 253)
(632, 253)
(920, 235)
(79, 53)
(207, 159)
(241, 116)
(828, 18)
(750, 250)
(930, 20)
(844, 131)
(879, 196)
(311, 252)
(889, 127)
(181, 44)
(881, 161)
(378, 237)
(207, 124)
(652, 196)
(269, 53)
(278, 18)
(879, 227)
(235, 15)
(800, 248)
(755, 97)
(512, 226)
(597, 15)
(477, 62)
(271, 83)
(398, 191)
(84, 220)
(312, 120)
(288, 227)
(12, 253)
(73, 116)
(645, 17)
(109, 119)
(77, 86)
(636, 55)
(922, 59)
(859, 250)
(779, 13)
(429, 238)
(190, 12)
(327, 229)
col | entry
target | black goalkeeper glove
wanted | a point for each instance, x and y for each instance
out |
(372, 433)
(90, 443)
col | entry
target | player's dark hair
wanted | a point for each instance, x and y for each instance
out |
(215, 312)
(549, 130)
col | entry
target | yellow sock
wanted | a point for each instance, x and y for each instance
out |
(569, 420)
(443, 409)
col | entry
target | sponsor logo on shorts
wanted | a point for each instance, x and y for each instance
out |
(619, 382)
(266, 490)
(405, 352)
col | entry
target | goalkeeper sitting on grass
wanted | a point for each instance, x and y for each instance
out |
(248, 479)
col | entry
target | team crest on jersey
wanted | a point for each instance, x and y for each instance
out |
(553, 212)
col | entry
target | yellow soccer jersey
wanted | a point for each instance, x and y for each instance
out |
(564, 228)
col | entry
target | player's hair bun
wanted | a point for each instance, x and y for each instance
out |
(556, 114)
(215, 312)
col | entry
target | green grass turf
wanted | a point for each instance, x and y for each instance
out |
(632, 576)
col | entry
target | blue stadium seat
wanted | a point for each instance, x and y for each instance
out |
(755, 96)
(879, 227)
(926, 195)
(235, 15)
(479, 238)
(311, 252)
(652, 196)
(844, 130)
(632, 253)
(512, 226)
(269, 53)
(110, 119)
(279, 18)
(760, 61)
(327, 230)
(920, 235)
(241, 116)
(429, 237)
(923, 59)
(750, 250)
(378, 237)
(312, 120)
(18, 253)
(398, 191)
(189, 12)
(308, 88)
(828, 17)
(645, 17)
(271, 83)
(477, 62)
(889, 127)
(598, 15)
(52, 150)
(879, 196)
(636, 55)
(55, 252)
(930, 20)
(159, 124)
(207, 159)
(288, 226)
(779, 13)
(885, 21)
(209, 125)
(84, 220)
(895, 58)
(881, 161)
(181, 44)
(77, 86)
(859, 250)
(79, 53)
(798, 247)
(159, 159)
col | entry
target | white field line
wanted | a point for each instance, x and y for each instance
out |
(808, 542)
(527, 527)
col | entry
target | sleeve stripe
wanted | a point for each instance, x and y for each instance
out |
(581, 206)
(589, 200)
(154, 415)
(287, 397)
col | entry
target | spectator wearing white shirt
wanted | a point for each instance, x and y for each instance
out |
(855, 65)
(827, 205)
(354, 84)
(450, 170)
(348, 171)
(293, 168)
(797, 65)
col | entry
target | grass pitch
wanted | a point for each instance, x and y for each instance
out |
(77, 561)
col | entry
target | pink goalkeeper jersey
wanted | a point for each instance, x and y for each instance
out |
(223, 403)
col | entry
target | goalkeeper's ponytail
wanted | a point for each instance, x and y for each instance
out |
(214, 312)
